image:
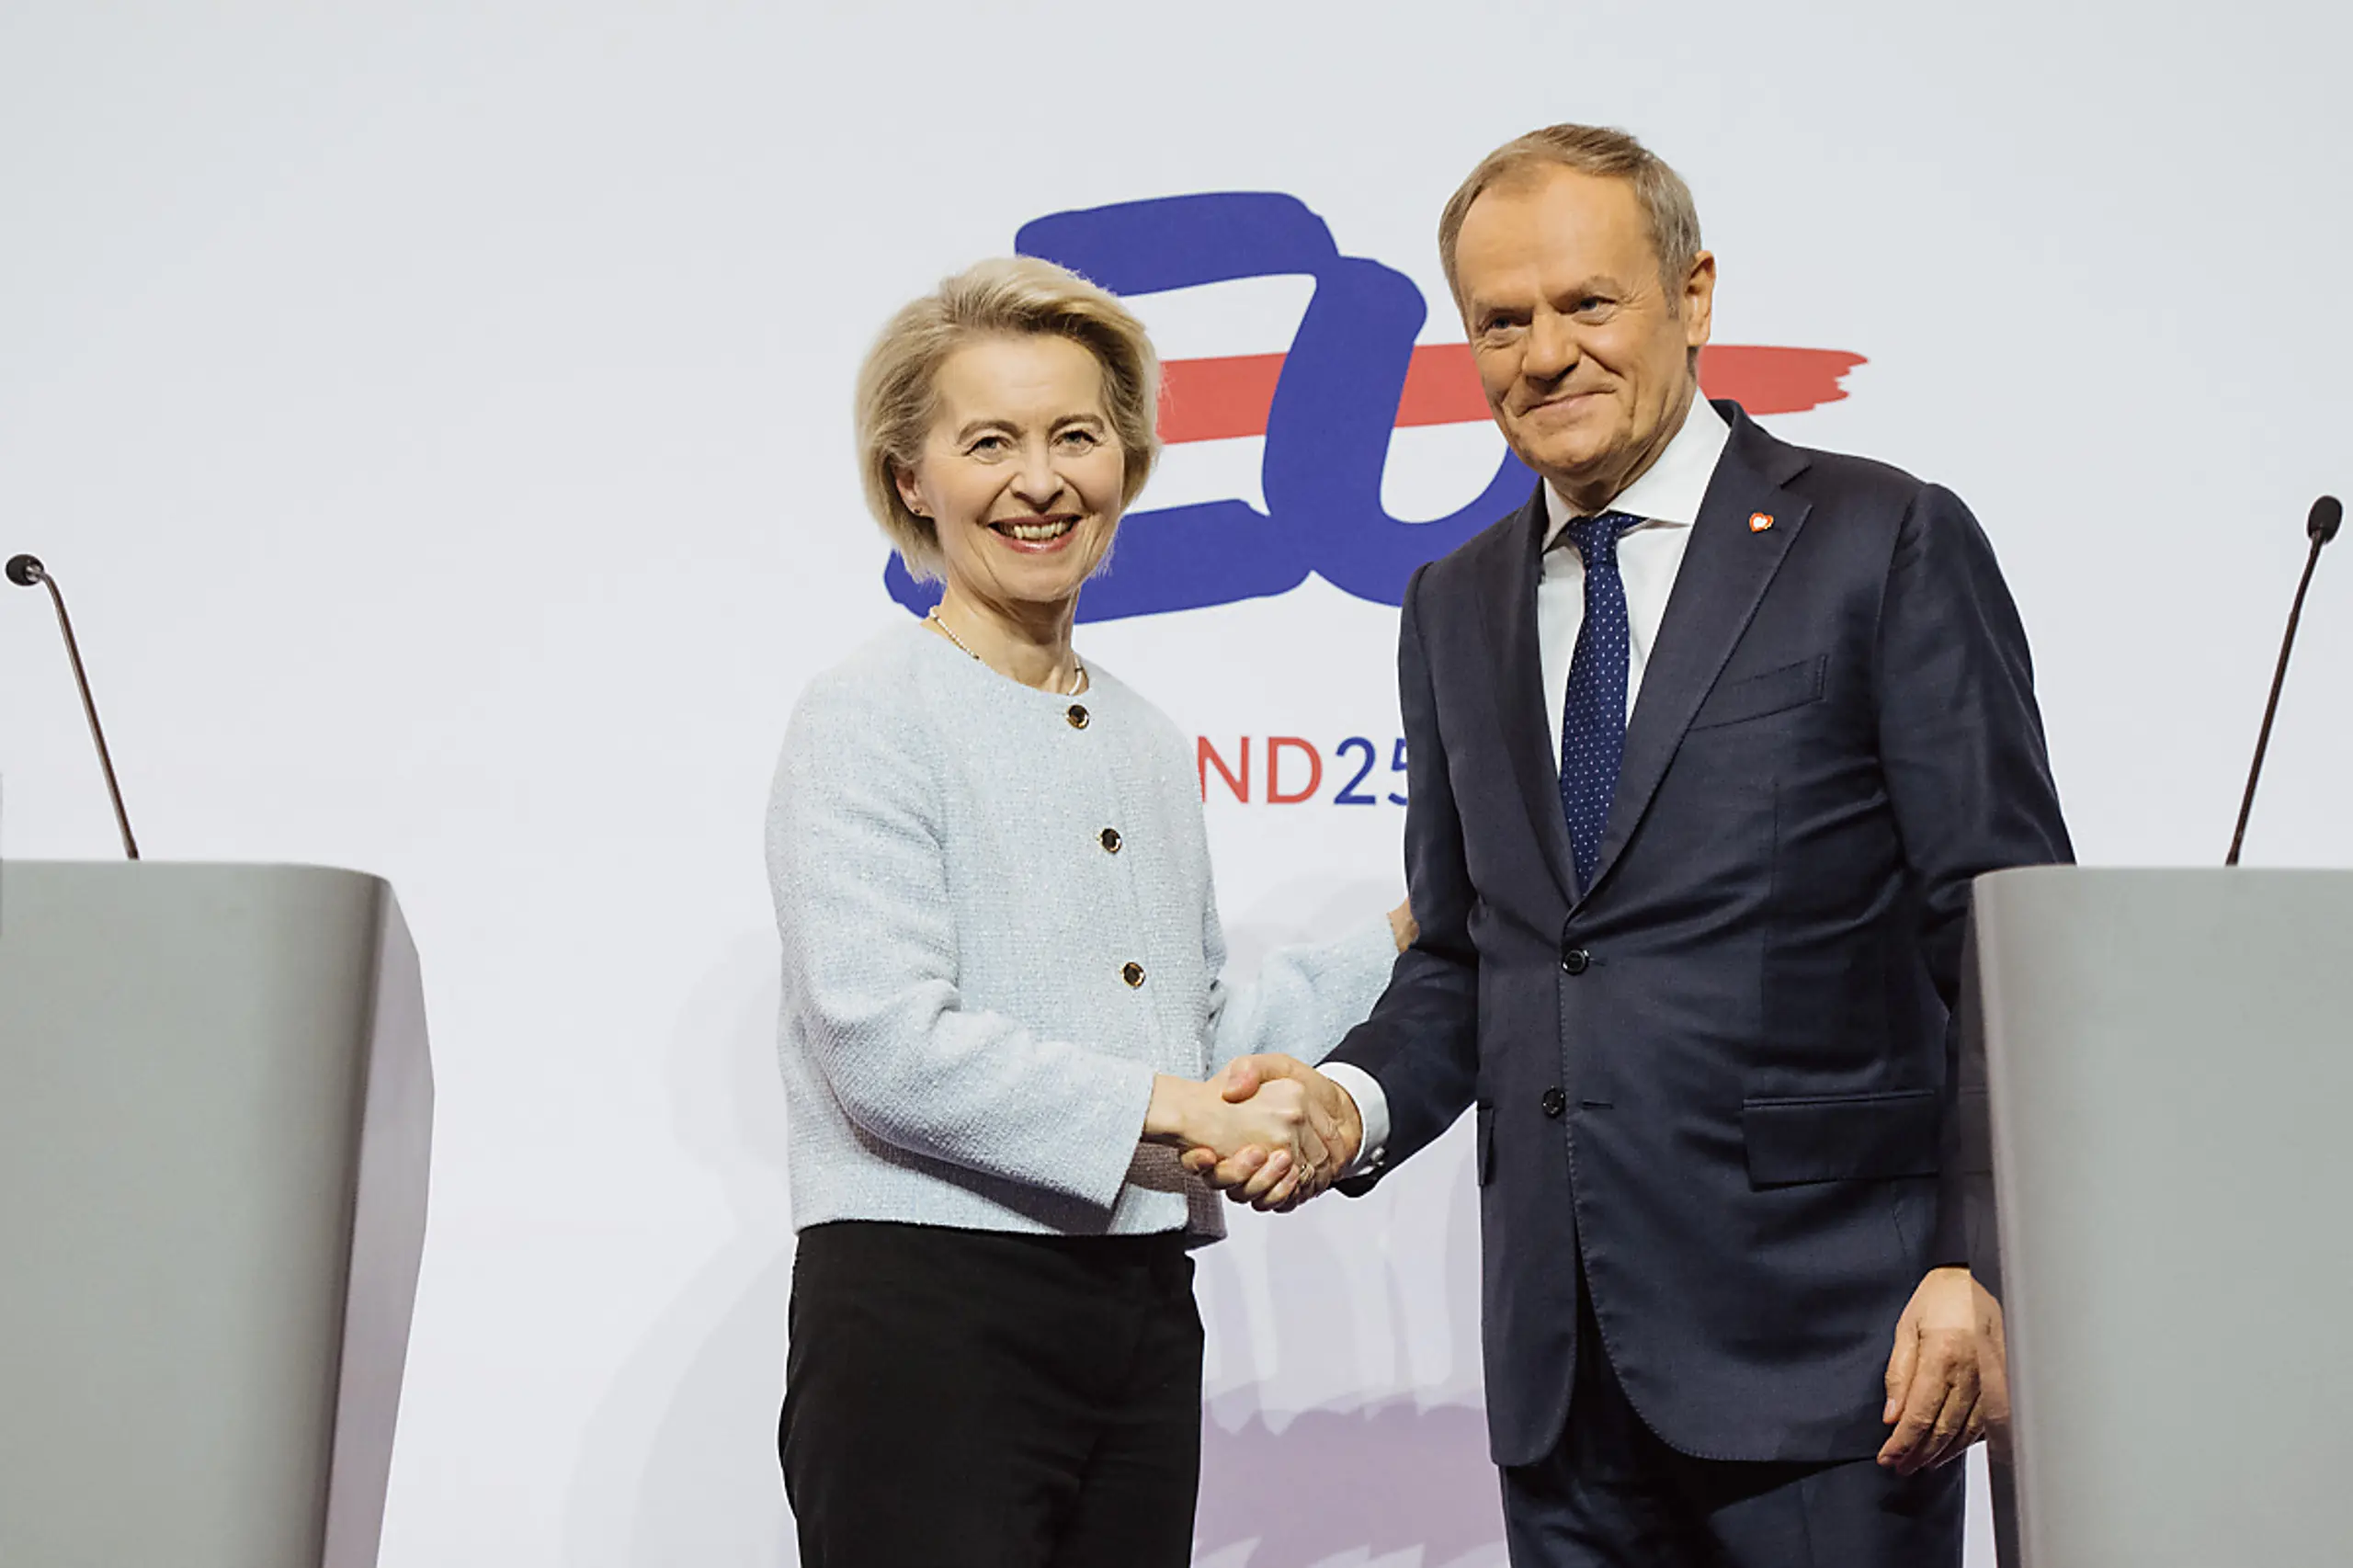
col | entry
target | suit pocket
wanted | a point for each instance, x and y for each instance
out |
(1792, 686)
(1485, 1117)
(1875, 1137)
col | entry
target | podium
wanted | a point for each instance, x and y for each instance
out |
(216, 1116)
(2168, 1062)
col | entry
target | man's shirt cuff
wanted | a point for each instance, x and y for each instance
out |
(1372, 1110)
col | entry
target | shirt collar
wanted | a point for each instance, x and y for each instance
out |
(1671, 489)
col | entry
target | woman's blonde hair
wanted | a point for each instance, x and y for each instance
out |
(1007, 296)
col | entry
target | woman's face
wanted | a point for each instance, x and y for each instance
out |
(1021, 472)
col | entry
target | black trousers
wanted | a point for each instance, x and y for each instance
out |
(1612, 1495)
(967, 1398)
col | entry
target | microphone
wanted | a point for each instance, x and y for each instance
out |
(26, 572)
(2326, 516)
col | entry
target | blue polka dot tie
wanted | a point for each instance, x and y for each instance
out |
(1593, 722)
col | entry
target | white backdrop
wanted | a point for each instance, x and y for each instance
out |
(438, 414)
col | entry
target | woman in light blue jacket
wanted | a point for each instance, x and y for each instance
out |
(1004, 1017)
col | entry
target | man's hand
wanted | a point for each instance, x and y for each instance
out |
(1994, 1377)
(1269, 1182)
(1939, 1395)
(1274, 1123)
(1403, 928)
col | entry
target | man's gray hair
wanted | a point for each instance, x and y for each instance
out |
(1591, 150)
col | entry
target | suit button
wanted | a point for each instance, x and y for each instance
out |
(1110, 839)
(1134, 974)
(1555, 1102)
(1077, 716)
(1575, 960)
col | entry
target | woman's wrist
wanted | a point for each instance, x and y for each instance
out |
(1174, 1116)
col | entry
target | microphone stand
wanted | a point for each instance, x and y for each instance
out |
(2327, 514)
(25, 572)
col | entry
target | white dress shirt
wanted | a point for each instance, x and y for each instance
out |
(1666, 498)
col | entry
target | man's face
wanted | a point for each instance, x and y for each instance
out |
(1587, 367)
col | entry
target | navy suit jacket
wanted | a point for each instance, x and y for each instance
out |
(1723, 1074)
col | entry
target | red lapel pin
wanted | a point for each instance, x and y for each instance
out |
(1759, 521)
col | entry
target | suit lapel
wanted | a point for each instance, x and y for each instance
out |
(1726, 569)
(1519, 690)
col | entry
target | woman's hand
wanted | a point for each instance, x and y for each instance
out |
(1250, 1176)
(1402, 925)
(1278, 1119)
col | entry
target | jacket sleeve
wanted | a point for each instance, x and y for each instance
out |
(1961, 750)
(1304, 998)
(1421, 1044)
(859, 873)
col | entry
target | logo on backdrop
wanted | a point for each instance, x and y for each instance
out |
(1327, 407)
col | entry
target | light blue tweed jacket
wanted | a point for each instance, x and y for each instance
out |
(998, 925)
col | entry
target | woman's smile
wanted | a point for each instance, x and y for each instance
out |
(1034, 535)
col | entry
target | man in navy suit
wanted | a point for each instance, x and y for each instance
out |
(1705, 744)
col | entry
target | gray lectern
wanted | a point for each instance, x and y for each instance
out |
(2169, 1057)
(215, 1116)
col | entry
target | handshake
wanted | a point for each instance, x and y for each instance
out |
(1266, 1130)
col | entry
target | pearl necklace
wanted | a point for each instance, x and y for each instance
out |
(1078, 680)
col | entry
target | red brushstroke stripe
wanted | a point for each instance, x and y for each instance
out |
(1776, 380)
(1442, 387)
(1215, 400)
